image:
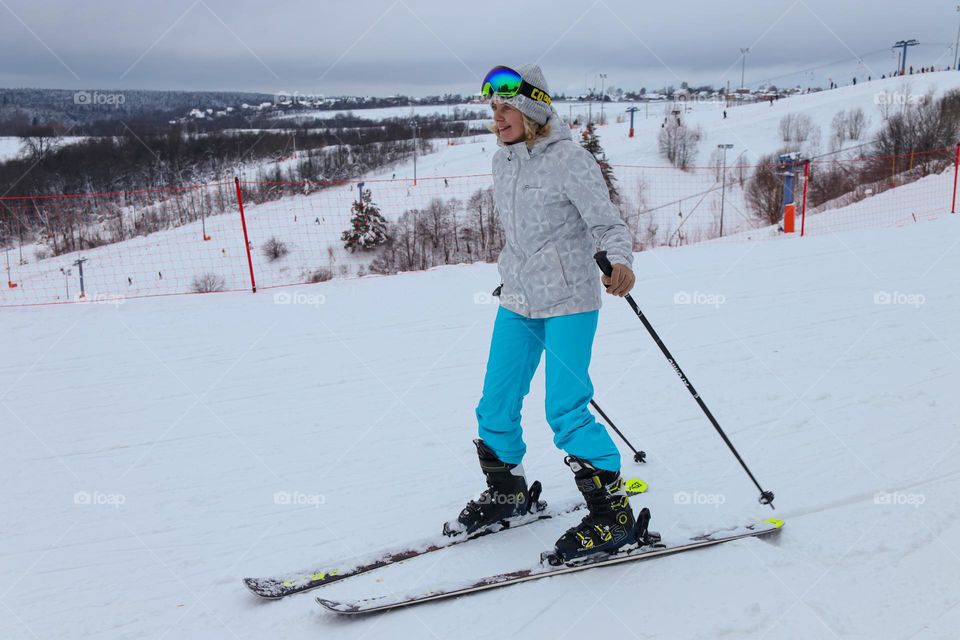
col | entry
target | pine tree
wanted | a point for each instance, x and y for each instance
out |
(368, 228)
(591, 143)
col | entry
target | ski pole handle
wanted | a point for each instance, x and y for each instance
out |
(604, 263)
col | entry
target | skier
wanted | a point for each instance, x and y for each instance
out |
(555, 207)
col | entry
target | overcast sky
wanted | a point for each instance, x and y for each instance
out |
(421, 47)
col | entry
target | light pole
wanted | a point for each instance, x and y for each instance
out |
(66, 279)
(723, 177)
(590, 92)
(743, 63)
(956, 47)
(415, 132)
(203, 222)
(603, 77)
(360, 188)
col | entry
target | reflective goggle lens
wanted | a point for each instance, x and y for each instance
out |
(502, 81)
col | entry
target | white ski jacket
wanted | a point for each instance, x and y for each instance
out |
(556, 211)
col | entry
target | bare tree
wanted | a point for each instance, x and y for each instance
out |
(838, 130)
(796, 127)
(856, 123)
(39, 140)
(678, 142)
(764, 193)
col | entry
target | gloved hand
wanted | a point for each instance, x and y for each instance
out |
(621, 280)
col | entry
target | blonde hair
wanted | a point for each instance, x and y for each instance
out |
(532, 129)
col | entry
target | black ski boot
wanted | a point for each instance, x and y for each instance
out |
(506, 495)
(609, 525)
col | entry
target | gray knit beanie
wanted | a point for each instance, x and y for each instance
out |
(537, 111)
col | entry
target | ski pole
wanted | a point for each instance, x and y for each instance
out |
(638, 456)
(766, 497)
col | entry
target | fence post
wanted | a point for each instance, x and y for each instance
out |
(956, 168)
(803, 207)
(246, 240)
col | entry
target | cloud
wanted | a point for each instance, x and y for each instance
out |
(421, 47)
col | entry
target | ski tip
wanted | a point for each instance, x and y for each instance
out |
(336, 607)
(777, 524)
(257, 588)
(635, 486)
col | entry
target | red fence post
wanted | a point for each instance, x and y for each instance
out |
(246, 240)
(803, 207)
(956, 167)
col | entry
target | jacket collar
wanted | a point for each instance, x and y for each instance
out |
(558, 131)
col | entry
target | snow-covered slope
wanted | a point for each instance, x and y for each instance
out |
(311, 224)
(154, 452)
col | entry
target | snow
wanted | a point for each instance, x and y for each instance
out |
(154, 452)
(382, 113)
(10, 146)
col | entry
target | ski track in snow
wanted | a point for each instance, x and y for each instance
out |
(144, 444)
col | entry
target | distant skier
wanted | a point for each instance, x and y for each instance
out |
(555, 207)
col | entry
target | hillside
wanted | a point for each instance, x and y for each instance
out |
(145, 443)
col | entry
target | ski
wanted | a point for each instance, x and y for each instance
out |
(276, 587)
(542, 570)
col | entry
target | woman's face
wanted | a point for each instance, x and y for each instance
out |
(509, 122)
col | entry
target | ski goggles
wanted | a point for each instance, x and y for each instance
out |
(506, 82)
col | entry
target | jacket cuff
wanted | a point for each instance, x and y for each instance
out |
(619, 259)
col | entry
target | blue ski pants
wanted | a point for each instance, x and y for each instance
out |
(515, 350)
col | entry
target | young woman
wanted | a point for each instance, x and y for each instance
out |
(556, 212)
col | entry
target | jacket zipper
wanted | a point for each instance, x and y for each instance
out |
(516, 234)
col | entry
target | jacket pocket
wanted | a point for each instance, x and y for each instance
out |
(543, 279)
(540, 196)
